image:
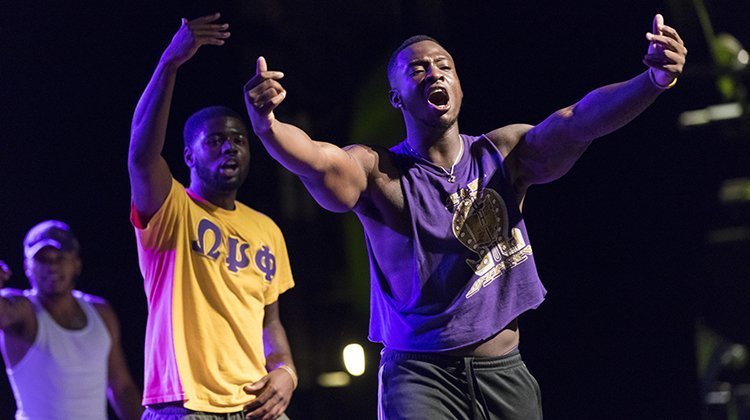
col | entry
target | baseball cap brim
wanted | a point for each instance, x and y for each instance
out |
(31, 251)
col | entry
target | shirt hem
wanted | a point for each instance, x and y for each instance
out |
(454, 344)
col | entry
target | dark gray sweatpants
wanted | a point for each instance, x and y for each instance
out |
(426, 386)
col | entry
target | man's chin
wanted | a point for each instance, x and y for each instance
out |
(444, 122)
(55, 290)
(228, 186)
(225, 184)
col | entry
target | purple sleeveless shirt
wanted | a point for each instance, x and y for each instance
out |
(462, 267)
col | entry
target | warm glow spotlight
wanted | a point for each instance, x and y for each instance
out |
(354, 359)
(334, 379)
(743, 57)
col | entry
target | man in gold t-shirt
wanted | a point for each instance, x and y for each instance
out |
(213, 268)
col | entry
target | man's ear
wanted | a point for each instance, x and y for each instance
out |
(395, 98)
(78, 266)
(187, 154)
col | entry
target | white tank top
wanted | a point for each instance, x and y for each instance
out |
(64, 374)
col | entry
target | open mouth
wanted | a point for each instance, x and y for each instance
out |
(438, 97)
(229, 168)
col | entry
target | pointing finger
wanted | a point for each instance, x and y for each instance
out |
(657, 24)
(260, 65)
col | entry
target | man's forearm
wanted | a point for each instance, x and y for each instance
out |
(552, 147)
(608, 108)
(277, 349)
(294, 149)
(126, 402)
(149, 127)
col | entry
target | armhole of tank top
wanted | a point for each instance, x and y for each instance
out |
(39, 311)
(494, 146)
(92, 315)
(499, 154)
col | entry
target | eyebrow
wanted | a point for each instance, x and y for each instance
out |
(421, 60)
(230, 131)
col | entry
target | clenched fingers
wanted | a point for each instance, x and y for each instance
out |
(263, 91)
(668, 43)
(267, 406)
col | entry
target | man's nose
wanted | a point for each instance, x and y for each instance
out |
(434, 73)
(229, 146)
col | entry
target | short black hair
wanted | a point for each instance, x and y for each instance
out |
(411, 40)
(193, 124)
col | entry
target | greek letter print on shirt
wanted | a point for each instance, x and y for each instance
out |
(210, 238)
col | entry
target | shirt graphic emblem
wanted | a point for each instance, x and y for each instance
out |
(480, 223)
(209, 244)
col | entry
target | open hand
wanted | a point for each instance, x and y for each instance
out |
(263, 93)
(192, 35)
(273, 393)
(666, 52)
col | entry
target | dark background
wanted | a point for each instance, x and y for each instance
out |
(621, 241)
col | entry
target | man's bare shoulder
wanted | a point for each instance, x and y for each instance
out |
(98, 302)
(17, 314)
(104, 309)
(507, 137)
(384, 182)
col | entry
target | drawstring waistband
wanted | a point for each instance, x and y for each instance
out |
(468, 364)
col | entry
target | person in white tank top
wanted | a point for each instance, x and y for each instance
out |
(61, 347)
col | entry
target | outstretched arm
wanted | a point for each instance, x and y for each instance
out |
(273, 391)
(547, 151)
(336, 177)
(150, 178)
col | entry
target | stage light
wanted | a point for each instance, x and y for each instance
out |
(710, 114)
(334, 379)
(742, 57)
(354, 359)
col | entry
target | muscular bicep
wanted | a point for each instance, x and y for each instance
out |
(519, 160)
(542, 153)
(342, 177)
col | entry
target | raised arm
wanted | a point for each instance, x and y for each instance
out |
(547, 151)
(150, 178)
(336, 177)
(274, 391)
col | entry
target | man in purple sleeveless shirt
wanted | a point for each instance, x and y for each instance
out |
(450, 260)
